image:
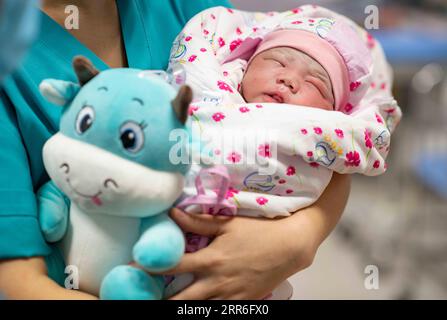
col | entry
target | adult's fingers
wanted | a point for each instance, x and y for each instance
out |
(203, 224)
(195, 262)
(199, 290)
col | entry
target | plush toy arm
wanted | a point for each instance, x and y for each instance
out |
(53, 208)
(161, 244)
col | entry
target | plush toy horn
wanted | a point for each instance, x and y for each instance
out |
(181, 103)
(84, 69)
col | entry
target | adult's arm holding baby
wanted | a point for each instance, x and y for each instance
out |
(250, 257)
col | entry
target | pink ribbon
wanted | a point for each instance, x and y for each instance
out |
(214, 204)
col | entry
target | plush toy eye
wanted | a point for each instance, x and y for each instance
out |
(85, 119)
(132, 136)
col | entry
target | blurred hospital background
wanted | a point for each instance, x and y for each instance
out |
(398, 221)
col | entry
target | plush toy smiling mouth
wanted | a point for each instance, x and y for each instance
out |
(95, 198)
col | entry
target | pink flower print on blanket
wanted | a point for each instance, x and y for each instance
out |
(234, 44)
(264, 150)
(376, 164)
(314, 164)
(348, 107)
(221, 42)
(218, 116)
(368, 141)
(296, 10)
(379, 119)
(262, 201)
(352, 159)
(291, 171)
(354, 85)
(224, 86)
(234, 157)
(339, 133)
(231, 192)
(192, 109)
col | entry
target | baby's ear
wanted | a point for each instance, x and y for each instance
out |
(58, 91)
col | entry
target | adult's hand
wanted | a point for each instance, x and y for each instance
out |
(247, 259)
(250, 257)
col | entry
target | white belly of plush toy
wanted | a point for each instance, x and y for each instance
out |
(95, 243)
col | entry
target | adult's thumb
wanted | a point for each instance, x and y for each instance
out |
(202, 224)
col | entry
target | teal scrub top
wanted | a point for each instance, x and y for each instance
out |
(26, 121)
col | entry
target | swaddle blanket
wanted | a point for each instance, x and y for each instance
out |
(280, 157)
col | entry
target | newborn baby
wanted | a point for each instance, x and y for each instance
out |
(261, 73)
(287, 68)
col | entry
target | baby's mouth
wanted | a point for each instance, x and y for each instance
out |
(274, 97)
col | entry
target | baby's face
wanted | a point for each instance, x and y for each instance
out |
(286, 75)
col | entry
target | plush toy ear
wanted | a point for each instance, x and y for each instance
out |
(84, 69)
(58, 91)
(181, 103)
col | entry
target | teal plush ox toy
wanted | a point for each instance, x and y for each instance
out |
(111, 158)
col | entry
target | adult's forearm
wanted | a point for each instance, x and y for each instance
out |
(27, 279)
(327, 211)
(319, 219)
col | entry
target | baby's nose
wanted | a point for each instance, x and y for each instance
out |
(290, 83)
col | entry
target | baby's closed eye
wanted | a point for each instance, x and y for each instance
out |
(276, 61)
(319, 85)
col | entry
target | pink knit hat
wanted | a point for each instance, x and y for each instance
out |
(333, 44)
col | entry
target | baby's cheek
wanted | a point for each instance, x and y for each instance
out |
(325, 107)
(248, 85)
(313, 100)
(320, 104)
